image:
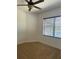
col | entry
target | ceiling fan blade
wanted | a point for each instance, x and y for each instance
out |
(27, 1)
(38, 1)
(30, 0)
(37, 7)
(22, 5)
(30, 9)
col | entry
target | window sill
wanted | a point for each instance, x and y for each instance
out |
(52, 36)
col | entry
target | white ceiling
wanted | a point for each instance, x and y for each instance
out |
(46, 5)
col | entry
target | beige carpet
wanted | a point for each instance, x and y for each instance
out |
(36, 50)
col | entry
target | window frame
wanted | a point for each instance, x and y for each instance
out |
(53, 27)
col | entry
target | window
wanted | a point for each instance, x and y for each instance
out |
(52, 26)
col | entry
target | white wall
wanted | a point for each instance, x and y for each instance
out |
(26, 27)
(30, 27)
(48, 40)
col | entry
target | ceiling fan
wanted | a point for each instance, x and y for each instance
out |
(31, 4)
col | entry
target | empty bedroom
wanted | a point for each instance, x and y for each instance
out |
(38, 29)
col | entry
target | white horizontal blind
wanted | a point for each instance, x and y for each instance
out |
(52, 27)
(58, 27)
(47, 27)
